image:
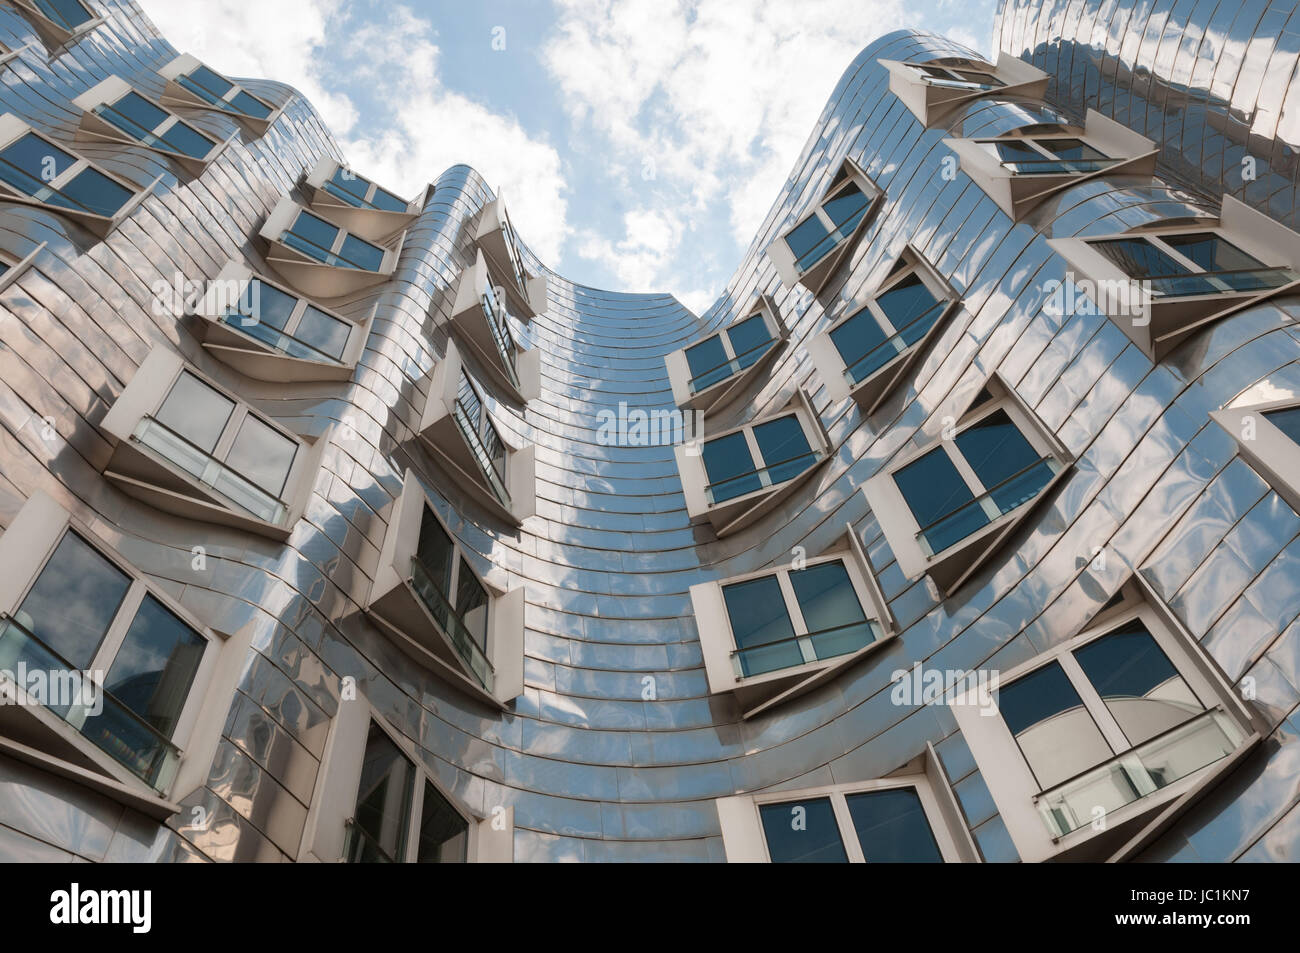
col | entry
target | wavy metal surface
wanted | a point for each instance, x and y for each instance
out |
(595, 770)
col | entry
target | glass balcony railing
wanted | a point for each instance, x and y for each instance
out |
(209, 471)
(102, 719)
(495, 316)
(972, 516)
(488, 452)
(1058, 166)
(1155, 764)
(276, 339)
(950, 82)
(729, 368)
(1240, 281)
(446, 616)
(355, 254)
(759, 478)
(360, 848)
(894, 345)
(793, 650)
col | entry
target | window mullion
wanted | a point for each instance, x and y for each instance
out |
(116, 633)
(848, 834)
(1093, 702)
(756, 457)
(295, 317)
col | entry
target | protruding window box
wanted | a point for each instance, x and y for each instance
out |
(709, 374)
(1023, 168)
(459, 431)
(428, 596)
(269, 333)
(811, 252)
(1161, 285)
(1268, 438)
(321, 258)
(187, 447)
(772, 635)
(482, 325)
(872, 349)
(356, 203)
(911, 816)
(496, 238)
(114, 111)
(737, 476)
(933, 89)
(1104, 740)
(59, 22)
(377, 802)
(36, 171)
(190, 83)
(948, 507)
(107, 680)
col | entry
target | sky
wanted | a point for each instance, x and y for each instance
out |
(638, 144)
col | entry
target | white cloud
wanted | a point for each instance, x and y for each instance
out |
(415, 130)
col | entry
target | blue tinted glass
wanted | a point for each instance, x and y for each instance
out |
(859, 341)
(730, 467)
(155, 667)
(31, 163)
(1070, 149)
(831, 609)
(846, 208)
(995, 449)
(708, 363)
(910, 307)
(892, 827)
(761, 626)
(324, 333)
(361, 254)
(206, 79)
(262, 304)
(1211, 252)
(934, 489)
(784, 447)
(72, 603)
(1014, 150)
(1138, 258)
(1039, 696)
(350, 186)
(387, 202)
(313, 236)
(808, 241)
(134, 114)
(68, 14)
(184, 139)
(96, 192)
(1287, 421)
(748, 338)
(249, 106)
(802, 832)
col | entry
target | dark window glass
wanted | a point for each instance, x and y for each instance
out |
(383, 800)
(845, 208)
(209, 81)
(1075, 149)
(1211, 252)
(939, 500)
(999, 454)
(434, 551)
(250, 106)
(444, 834)
(859, 340)
(892, 827)
(730, 467)
(1286, 420)
(39, 161)
(1055, 732)
(361, 254)
(831, 610)
(134, 114)
(350, 186)
(387, 201)
(95, 192)
(809, 241)
(1140, 686)
(910, 307)
(72, 603)
(183, 138)
(708, 363)
(748, 338)
(472, 605)
(1138, 258)
(68, 14)
(318, 234)
(1016, 150)
(784, 447)
(761, 626)
(802, 832)
(154, 669)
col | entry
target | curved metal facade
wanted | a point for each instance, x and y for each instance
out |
(616, 751)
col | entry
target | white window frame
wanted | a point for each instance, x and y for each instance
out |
(12, 129)
(252, 356)
(393, 603)
(951, 567)
(56, 35)
(818, 274)
(738, 512)
(1263, 445)
(874, 390)
(491, 839)
(721, 393)
(1008, 775)
(113, 90)
(177, 95)
(931, 102)
(745, 840)
(1168, 321)
(759, 693)
(1018, 193)
(26, 548)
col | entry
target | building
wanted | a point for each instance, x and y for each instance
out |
(986, 548)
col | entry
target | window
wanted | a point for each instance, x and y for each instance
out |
(811, 251)
(190, 83)
(1160, 285)
(36, 171)
(1101, 726)
(771, 635)
(457, 427)
(376, 802)
(1268, 438)
(710, 373)
(496, 239)
(932, 90)
(135, 667)
(946, 507)
(481, 320)
(736, 476)
(113, 110)
(59, 21)
(322, 259)
(868, 352)
(910, 817)
(428, 594)
(1022, 168)
(187, 446)
(361, 206)
(269, 333)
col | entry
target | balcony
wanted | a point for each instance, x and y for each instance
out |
(59, 24)
(495, 238)
(934, 89)
(193, 85)
(480, 321)
(321, 258)
(358, 204)
(712, 372)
